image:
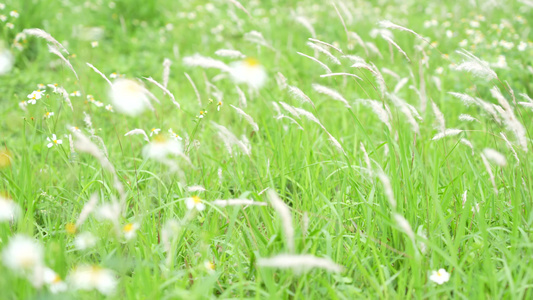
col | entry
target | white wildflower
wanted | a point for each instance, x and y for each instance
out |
(84, 240)
(9, 210)
(194, 202)
(22, 254)
(93, 278)
(129, 97)
(248, 71)
(440, 276)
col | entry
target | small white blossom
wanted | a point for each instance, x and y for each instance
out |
(522, 46)
(54, 281)
(85, 240)
(6, 61)
(249, 71)
(130, 230)
(209, 266)
(53, 141)
(93, 278)
(23, 105)
(129, 97)
(22, 254)
(54, 87)
(440, 276)
(9, 209)
(174, 135)
(155, 131)
(195, 202)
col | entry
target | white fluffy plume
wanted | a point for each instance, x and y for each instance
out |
(286, 217)
(299, 263)
(476, 66)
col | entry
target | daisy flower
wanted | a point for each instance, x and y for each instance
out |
(155, 131)
(195, 202)
(53, 141)
(33, 100)
(209, 266)
(130, 230)
(75, 94)
(129, 97)
(10, 25)
(54, 281)
(93, 278)
(440, 276)
(5, 159)
(219, 105)
(49, 114)
(22, 254)
(85, 240)
(202, 114)
(38, 94)
(54, 87)
(94, 44)
(71, 228)
(23, 105)
(161, 148)
(6, 60)
(109, 107)
(9, 210)
(174, 135)
(249, 71)
(14, 14)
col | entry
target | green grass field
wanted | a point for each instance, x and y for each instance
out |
(375, 153)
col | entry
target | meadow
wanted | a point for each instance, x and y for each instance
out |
(266, 149)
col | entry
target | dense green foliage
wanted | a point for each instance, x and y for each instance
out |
(340, 208)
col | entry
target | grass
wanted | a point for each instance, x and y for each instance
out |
(339, 210)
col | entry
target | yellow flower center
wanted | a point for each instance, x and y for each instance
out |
(196, 199)
(5, 158)
(251, 62)
(128, 227)
(57, 279)
(159, 138)
(70, 227)
(27, 262)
